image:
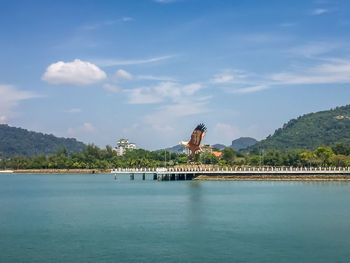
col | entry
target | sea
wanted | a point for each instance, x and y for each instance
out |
(97, 218)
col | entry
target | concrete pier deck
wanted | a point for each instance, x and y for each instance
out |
(173, 174)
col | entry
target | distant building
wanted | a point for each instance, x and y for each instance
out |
(124, 145)
(210, 149)
(217, 154)
(207, 148)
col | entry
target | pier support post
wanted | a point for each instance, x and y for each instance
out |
(132, 176)
(143, 176)
(155, 176)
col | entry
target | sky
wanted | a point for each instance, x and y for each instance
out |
(151, 70)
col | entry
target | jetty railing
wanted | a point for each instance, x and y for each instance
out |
(234, 170)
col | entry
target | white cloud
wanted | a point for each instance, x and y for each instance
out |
(10, 97)
(229, 76)
(222, 78)
(121, 74)
(127, 19)
(162, 91)
(96, 25)
(76, 73)
(159, 78)
(250, 89)
(332, 71)
(191, 88)
(86, 127)
(166, 118)
(142, 96)
(73, 110)
(111, 87)
(225, 133)
(116, 62)
(319, 11)
(184, 109)
(313, 49)
(336, 72)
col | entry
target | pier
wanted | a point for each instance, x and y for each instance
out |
(176, 174)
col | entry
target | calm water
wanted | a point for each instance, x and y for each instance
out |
(87, 218)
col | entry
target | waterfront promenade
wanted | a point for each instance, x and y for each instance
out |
(174, 174)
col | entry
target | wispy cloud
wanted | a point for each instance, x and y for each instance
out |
(10, 97)
(288, 24)
(157, 78)
(250, 89)
(335, 72)
(319, 11)
(111, 87)
(117, 62)
(73, 110)
(315, 49)
(122, 74)
(86, 127)
(96, 25)
(166, 118)
(160, 92)
(313, 63)
(227, 132)
(229, 76)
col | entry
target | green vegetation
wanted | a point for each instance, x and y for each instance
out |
(310, 131)
(316, 139)
(94, 158)
(17, 141)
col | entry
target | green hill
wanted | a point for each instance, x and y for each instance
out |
(242, 143)
(17, 141)
(310, 131)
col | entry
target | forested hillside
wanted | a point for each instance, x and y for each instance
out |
(310, 131)
(242, 143)
(17, 141)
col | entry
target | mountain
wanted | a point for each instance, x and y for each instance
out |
(17, 141)
(177, 149)
(242, 143)
(219, 146)
(310, 131)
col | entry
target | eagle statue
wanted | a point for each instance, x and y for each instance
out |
(196, 138)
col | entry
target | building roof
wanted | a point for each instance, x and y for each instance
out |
(217, 154)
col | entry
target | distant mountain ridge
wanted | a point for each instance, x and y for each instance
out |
(237, 145)
(18, 141)
(219, 146)
(310, 131)
(242, 143)
(177, 148)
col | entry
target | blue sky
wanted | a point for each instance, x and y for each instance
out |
(152, 70)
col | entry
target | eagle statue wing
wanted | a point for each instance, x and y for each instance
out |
(198, 135)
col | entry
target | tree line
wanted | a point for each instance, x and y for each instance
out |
(92, 157)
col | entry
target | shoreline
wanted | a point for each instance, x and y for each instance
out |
(306, 177)
(273, 178)
(57, 171)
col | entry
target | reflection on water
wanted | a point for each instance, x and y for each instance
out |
(94, 218)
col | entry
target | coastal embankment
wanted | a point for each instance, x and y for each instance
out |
(273, 178)
(57, 171)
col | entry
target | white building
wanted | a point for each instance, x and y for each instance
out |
(124, 145)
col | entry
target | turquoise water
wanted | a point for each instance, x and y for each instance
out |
(94, 218)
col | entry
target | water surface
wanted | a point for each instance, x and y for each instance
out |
(94, 218)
